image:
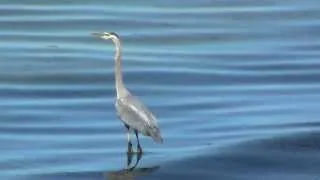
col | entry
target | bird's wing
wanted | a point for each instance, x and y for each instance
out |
(133, 113)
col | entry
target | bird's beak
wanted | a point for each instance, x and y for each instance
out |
(99, 35)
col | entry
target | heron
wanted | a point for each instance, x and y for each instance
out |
(131, 111)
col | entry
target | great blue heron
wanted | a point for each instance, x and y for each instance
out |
(130, 110)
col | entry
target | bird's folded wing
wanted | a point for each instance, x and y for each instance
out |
(133, 113)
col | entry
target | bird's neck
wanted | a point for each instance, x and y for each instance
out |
(121, 90)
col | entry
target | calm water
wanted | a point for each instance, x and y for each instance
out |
(235, 86)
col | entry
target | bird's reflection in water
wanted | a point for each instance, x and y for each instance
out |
(129, 159)
(132, 171)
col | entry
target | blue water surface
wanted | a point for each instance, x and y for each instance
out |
(234, 84)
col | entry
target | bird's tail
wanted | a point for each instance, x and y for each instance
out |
(156, 135)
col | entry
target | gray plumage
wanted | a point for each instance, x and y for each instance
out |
(131, 111)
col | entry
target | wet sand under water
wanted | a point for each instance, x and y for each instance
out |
(234, 85)
(287, 157)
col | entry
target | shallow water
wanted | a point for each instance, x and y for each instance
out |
(235, 86)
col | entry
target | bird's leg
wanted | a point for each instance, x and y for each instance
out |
(129, 158)
(139, 155)
(129, 139)
(138, 146)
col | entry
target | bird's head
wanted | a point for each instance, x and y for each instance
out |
(106, 35)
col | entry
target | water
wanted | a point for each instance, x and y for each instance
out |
(234, 84)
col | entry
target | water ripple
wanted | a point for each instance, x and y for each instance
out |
(217, 75)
